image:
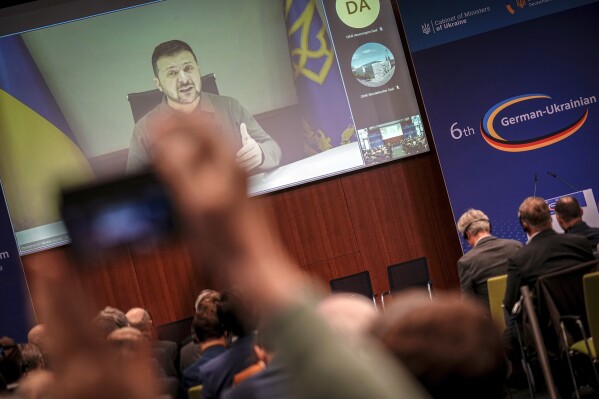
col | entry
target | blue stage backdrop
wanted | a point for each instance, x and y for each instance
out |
(16, 310)
(511, 89)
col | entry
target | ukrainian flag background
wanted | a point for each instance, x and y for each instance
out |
(323, 105)
(38, 151)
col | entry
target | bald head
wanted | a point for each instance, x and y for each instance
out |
(568, 212)
(140, 319)
(350, 316)
(534, 215)
(38, 335)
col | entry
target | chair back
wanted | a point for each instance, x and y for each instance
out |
(537, 339)
(195, 392)
(143, 102)
(591, 298)
(176, 331)
(358, 283)
(560, 294)
(496, 286)
(413, 273)
(169, 387)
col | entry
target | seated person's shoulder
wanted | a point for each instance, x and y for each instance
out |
(514, 243)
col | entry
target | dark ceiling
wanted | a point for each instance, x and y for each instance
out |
(9, 3)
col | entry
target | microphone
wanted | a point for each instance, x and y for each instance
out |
(553, 174)
(534, 193)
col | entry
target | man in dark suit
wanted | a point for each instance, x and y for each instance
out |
(545, 252)
(165, 352)
(239, 324)
(569, 217)
(487, 258)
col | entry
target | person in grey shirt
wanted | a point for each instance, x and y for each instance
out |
(177, 75)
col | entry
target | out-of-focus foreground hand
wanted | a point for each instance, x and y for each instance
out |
(250, 155)
(83, 364)
(227, 231)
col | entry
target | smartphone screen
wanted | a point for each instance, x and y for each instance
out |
(134, 210)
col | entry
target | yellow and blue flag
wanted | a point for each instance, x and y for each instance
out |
(38, 150)
(322, 101)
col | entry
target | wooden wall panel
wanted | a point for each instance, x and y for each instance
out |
(96, 284)
(151, 273)
(278, 210)
(180, 279)
(314, 221)
(435, 220)
(121, 279)
(400, 212)
(105, 282)
(366, 220)
(323, 272)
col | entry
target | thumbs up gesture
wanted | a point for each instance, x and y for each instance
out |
(250, 155)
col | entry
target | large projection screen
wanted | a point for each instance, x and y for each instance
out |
(328, 81)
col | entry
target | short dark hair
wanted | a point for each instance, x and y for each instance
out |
(205, 322)
(169, 48)
(11, 361)
(235, 314)
(568, 208)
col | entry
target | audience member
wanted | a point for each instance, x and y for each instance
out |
(190, 351)
(448, 343)
(107, 320)
(266, 378)
(130, 349)
(11, 362)
(569, 216)
(238, 322)
(40, 337)
(32, 358)
(119, 317)
(349, 316)
(487, 258)
(545, 252)
(165, 352)
(210, 335)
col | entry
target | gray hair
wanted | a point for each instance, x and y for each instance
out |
(207, 293)
(474, 221)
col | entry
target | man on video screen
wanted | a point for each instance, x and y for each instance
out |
(177, 75)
